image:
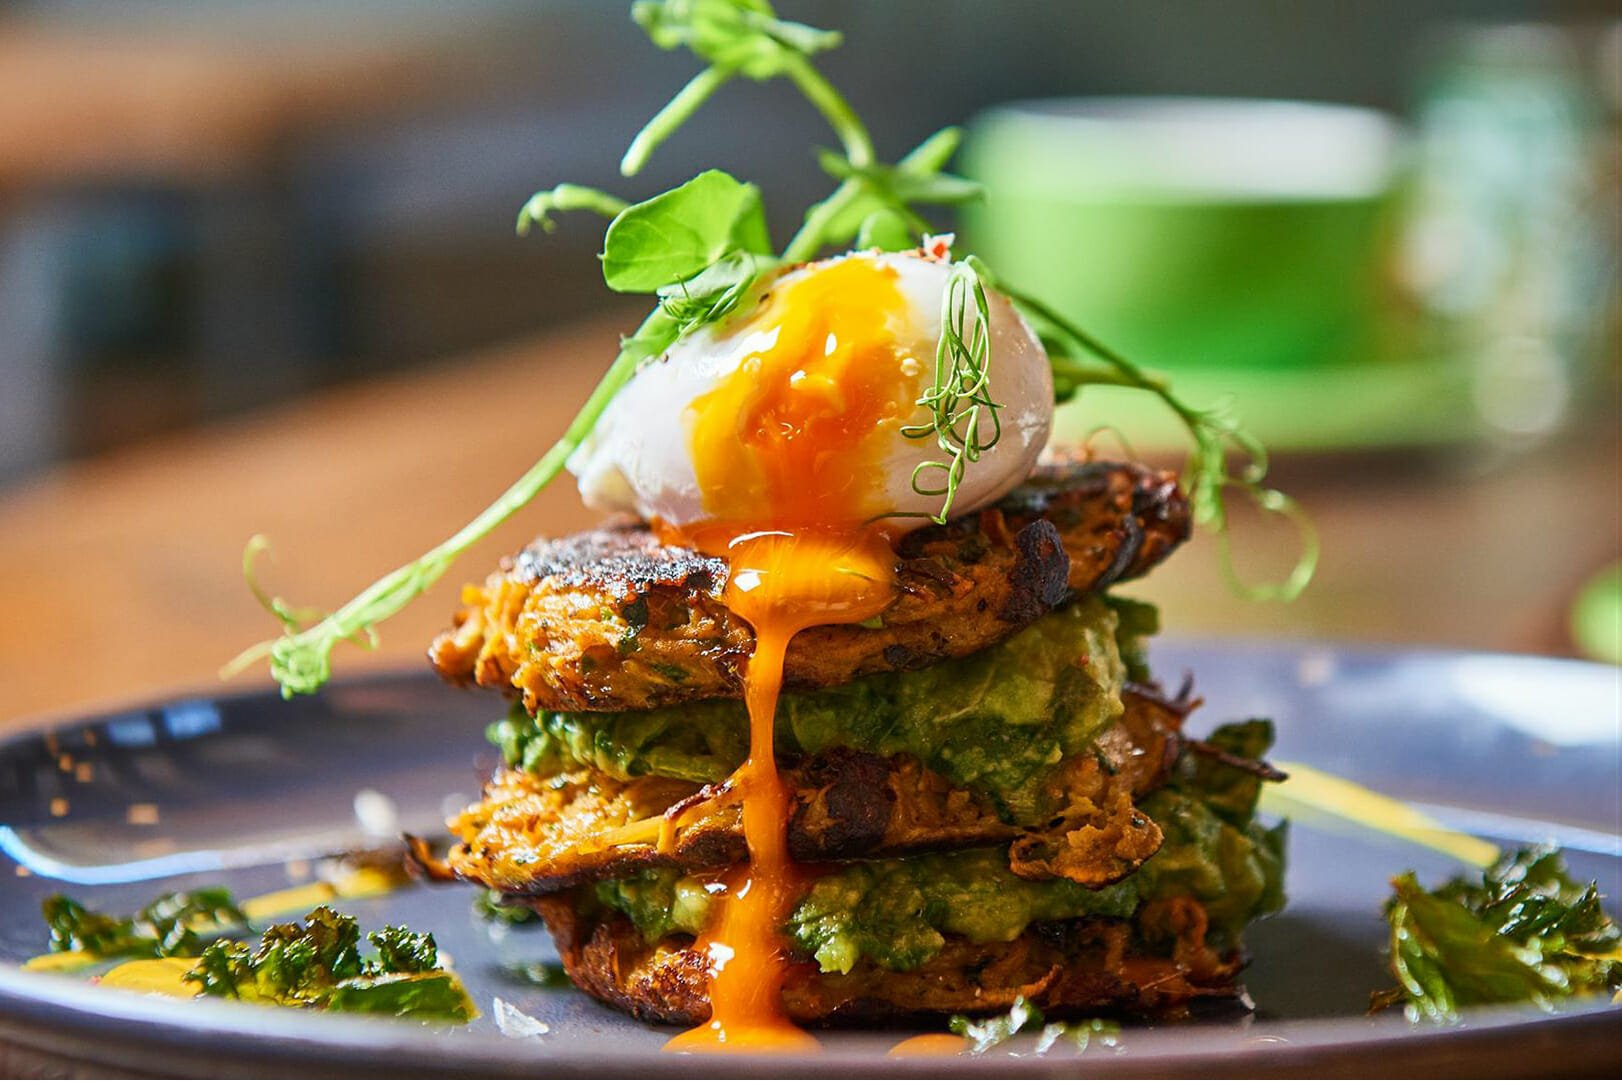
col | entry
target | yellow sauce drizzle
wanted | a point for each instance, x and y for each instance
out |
(1311, 795)
(63, 961)
(154, 976)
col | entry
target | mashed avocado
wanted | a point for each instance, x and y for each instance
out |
(896, 912)
(995, 722)
(893, 911)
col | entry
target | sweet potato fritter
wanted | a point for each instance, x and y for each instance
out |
(613, 620)
(532, 835)
(1154, 964)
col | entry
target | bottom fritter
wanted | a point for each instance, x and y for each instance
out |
(1155, 963)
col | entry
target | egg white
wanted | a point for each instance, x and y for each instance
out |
(637, 458)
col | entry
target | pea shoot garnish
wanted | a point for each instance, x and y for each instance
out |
(701, 249)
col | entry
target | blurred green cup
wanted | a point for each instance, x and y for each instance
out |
(1242, 245)
(1192, 232)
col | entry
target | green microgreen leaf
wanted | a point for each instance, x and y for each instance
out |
(900, 185)
(744, 35)
(931, 155)
(711, 294)
(543, 204)
(682, 232)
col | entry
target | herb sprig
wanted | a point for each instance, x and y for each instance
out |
(701, 249)
(543, 204)
(1525, 932)
(960, 397)
(736, 37)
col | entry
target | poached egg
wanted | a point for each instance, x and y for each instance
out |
(793, 412)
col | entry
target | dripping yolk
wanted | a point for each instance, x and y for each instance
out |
(789, 451)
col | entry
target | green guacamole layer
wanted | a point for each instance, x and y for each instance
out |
(996, 722)
(896, 912)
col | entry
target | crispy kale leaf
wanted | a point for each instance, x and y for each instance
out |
(317, 962)
(174, 925)
(402, 950)
(75, 927)
(1526, 932)
(1215, 849)
(1226, 769)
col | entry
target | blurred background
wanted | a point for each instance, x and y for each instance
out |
(258, 270)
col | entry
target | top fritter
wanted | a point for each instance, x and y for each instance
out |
(612, 619)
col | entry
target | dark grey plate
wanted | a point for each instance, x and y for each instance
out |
(230, 790)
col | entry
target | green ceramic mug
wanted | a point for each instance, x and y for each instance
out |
(1194, 234)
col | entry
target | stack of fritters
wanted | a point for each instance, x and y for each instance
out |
(991, 796)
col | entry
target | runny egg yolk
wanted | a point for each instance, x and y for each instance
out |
(788, 451)
(793, 436)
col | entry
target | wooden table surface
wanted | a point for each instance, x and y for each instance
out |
(120, 578)
(83, 101)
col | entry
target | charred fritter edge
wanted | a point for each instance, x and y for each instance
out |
(1154, 964)
(532, 835)
(612, 619)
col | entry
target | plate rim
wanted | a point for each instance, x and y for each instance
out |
(216, 1033)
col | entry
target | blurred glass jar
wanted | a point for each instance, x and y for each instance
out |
(1511, 242)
